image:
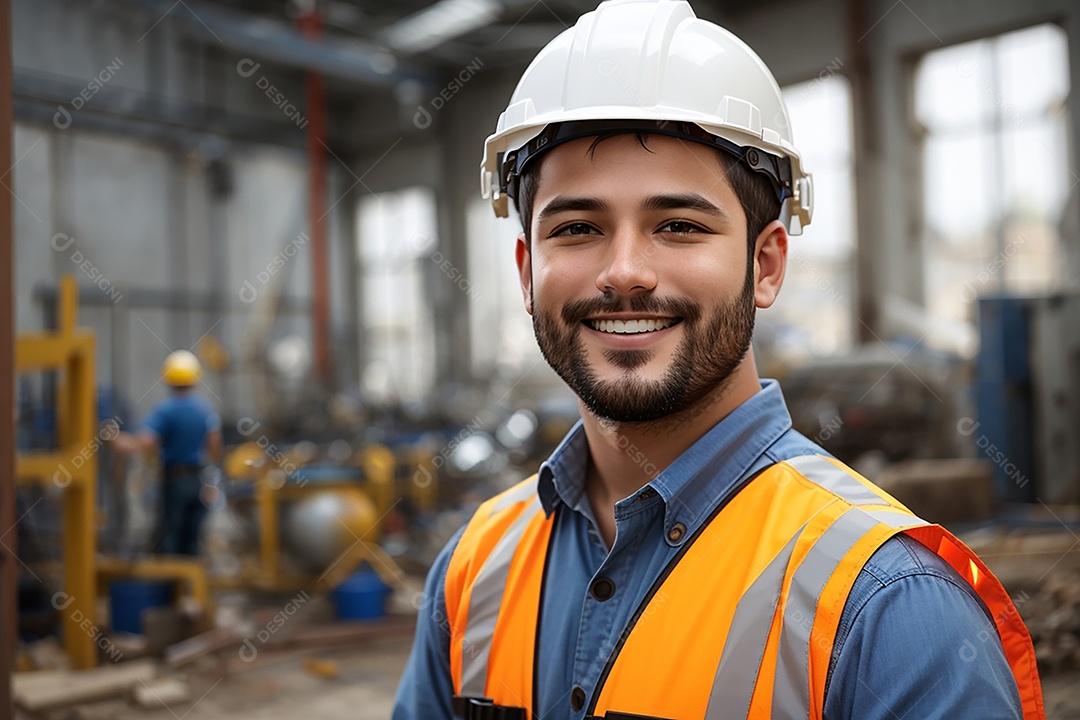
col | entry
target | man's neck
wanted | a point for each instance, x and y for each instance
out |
(623, 457)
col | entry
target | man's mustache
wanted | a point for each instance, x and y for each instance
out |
(575, 311)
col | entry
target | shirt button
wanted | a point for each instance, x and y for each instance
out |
(676, 533)
(602, 589)
(577, 698)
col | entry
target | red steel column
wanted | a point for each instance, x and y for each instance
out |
(311, 27)
(8, 568)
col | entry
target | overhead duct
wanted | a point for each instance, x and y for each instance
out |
(355, 61)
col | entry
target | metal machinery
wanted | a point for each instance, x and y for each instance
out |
(73, 469)
(329, 517)
(70, 353)
(1027, 415)
(359, 498)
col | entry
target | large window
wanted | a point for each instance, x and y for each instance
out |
(995, 174)
(502, 338)
(814, 314)
(395, 233)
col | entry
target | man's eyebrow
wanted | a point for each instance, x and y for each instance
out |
(564, 203)
(684, 201)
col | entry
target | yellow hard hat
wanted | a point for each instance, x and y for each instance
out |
(181, 368)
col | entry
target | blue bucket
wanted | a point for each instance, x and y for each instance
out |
(128, 598)
(361, 597)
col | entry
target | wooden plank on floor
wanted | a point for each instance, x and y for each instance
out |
(52, 690)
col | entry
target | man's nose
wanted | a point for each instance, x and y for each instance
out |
(628, 265)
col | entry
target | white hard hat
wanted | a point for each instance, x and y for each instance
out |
(652, 66)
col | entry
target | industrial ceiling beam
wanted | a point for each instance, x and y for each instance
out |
(356, 61)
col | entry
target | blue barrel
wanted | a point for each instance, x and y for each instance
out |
(128, 598)
(361, 597)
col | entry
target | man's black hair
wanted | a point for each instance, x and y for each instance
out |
(754, 191)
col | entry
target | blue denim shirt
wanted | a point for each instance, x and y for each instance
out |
(181, 424)
(913, 641)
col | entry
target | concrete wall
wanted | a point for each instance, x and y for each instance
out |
(163, 253)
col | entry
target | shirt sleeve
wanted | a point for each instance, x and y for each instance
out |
(426, 688)
(915, 642)
(213, 421)
(157, 421)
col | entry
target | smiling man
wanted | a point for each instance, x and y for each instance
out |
(684, 553)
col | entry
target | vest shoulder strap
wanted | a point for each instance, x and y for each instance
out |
(500, 554)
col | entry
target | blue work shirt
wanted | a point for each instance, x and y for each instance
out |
(914, 641)
(181, 424)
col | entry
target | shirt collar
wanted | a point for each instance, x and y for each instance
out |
(562, 475)
(691, 487)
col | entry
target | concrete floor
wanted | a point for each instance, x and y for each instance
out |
(364, 690)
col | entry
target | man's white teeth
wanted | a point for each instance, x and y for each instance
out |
(629, 327)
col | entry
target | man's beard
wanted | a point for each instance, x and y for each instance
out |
(710, 351)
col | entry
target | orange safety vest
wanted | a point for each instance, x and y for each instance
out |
(742, 621)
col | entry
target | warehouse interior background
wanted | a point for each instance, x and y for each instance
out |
(289, 189)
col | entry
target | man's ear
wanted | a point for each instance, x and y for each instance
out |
(524, 263)
(770, 263)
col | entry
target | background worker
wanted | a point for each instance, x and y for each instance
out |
(728, 567)
(186, 430)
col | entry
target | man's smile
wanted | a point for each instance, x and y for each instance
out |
(630, 325)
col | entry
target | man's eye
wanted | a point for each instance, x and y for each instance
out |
(575, 229)
(680, 227)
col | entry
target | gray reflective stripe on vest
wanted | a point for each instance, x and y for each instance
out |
(733, 685)
(515, 495)
(822, 472)
(484, 604)
(897, 520)
(791, 690)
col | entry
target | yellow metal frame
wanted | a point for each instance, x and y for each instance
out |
(74, 467)
(187, 570)
(378, 465)
(423, 481)
(70, 351)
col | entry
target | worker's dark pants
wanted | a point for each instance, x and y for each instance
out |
(183, 511)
